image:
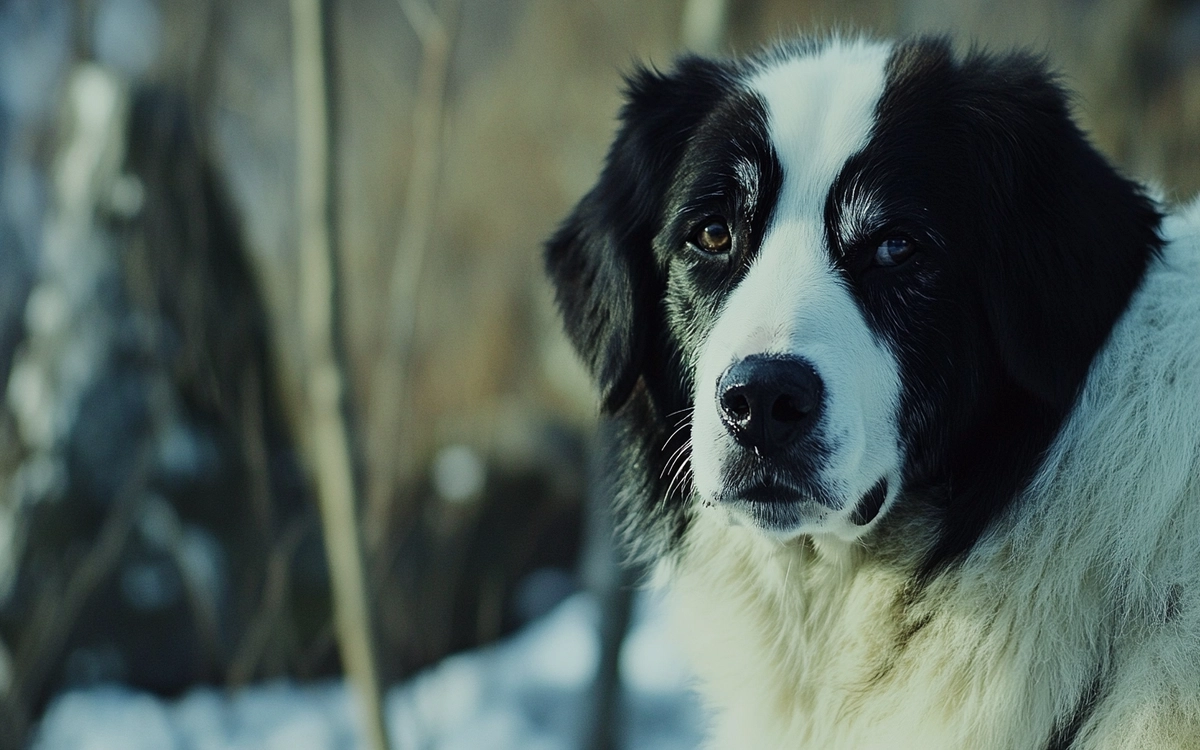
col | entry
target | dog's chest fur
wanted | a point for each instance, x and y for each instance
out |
(794, 651)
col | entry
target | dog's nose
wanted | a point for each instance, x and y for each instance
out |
(767, 402)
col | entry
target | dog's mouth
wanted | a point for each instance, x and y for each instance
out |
(769, 488)
(780, 506)
(776, 505)
(770, 493)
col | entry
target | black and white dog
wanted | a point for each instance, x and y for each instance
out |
(907, 381)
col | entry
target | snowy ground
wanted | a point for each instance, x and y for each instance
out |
(523, 694)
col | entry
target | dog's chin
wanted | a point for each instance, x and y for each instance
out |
(785, 512)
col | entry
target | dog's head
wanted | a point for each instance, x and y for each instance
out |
(842, 274)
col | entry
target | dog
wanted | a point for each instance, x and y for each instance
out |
(905, 381)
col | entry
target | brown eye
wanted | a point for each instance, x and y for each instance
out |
(894, 251)
(714, 237)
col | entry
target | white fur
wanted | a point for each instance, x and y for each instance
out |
(792, 301)
(1096, 567)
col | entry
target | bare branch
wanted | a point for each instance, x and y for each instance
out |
(425, 23)
(325, 431)
(56, 612)
(271, 608)
(704, 24)
(398, 327)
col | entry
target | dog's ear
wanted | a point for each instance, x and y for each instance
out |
(601, 261)
(1075, 236)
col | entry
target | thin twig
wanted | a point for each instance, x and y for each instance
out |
(428, 114)
(57, 612)
(704, 24)
(325, 430)
(272, 605)
(393, 367)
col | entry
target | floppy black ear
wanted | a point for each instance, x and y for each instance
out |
(1074, 234)
(601, 260)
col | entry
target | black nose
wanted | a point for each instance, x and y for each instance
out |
(767, 402)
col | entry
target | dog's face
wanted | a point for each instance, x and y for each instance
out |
(796, 398)
(842, 275)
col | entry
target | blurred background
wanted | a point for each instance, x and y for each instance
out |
(199, 376)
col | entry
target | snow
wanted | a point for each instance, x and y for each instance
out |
(526, 693)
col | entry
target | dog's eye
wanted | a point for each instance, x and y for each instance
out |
(893, 251)
(713, 237)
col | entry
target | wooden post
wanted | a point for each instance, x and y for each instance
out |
(611, 582)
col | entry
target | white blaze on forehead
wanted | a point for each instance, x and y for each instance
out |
(820, 111)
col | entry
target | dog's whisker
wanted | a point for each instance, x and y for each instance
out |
(668, 467)
(678, 451)
(674, 434)
(677, 412)
(683, 470)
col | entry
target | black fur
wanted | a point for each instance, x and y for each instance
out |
(601, 259)
(617, 273)
(1031, 247)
